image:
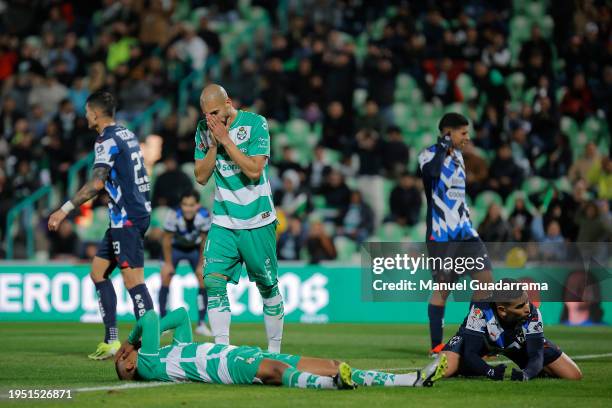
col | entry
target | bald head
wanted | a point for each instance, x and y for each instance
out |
(213, 93)
(214, 101)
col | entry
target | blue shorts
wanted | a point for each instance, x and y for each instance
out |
(193, 257)
(124, 247)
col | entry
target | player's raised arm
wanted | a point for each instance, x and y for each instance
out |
(205, 155)
(146, 329)
(86, 193)
(432, 159)
(178, 320)
(251, 166)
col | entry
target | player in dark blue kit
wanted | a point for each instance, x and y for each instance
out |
(449, 230)
(185, 231)
(119, 169)
(512, 326)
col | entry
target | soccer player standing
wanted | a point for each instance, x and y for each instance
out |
(185, 231)
(118, 168)
(449, 229)
(234, 145)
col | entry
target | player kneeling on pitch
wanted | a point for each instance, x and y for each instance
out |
(141, 358)
(511, 326)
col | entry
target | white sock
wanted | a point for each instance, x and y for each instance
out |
(370, 378)
(219, 318)
(274, 316)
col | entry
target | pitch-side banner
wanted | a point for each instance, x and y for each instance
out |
(312, 294)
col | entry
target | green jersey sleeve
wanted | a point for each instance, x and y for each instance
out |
(177, 320)
(147, 328)
(259, 143)
(200, 141)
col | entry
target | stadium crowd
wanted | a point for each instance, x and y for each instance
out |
(352, 90)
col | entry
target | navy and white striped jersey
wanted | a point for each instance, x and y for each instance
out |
(128, 184)
(187, 234)
(482, 320)
(448, 215)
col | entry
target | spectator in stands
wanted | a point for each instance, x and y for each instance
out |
(371, 119)
(288, 162)
(603, 179)
(170, 185)
(582, 167)
(210, 37)
(381, 72)
(559, 160)
(553, 243)
(369, 175)
(405, 201)
(504, 175)
(593, 224)
(320, 245)
(520, 221)
(536, 45)
(337, 129)
(395, 153)
(292, 197)
(358, 222)
(442, 81)
(578, 100)
(497, 55)
(494, 228)
(291, 241)
(317, 170)
(337, 194)
(64, 243)
(191, 48)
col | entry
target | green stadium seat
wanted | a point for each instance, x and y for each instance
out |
(464, 82)
(346, 249)
(510, 203)
(534, 184)
(515, 84)
(488, 197)
(390, 232)
(569, 127)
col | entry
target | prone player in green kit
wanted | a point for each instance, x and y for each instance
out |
(141, 358)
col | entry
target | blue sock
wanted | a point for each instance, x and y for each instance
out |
(107, 301)
(163, 300)
(141, 299)
(202, 299)
(436, 323)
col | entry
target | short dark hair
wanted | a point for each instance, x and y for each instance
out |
(103, 100)
(191, 193)
(452, 120)
(506, 296)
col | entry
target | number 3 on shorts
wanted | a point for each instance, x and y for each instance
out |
(116, 247)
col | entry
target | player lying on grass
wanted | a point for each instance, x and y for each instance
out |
(141, 358)
(511, 326)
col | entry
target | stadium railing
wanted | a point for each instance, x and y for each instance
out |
(25, 206)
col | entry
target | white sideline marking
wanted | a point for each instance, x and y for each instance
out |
(160, 384)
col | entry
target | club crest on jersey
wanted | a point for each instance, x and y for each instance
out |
(242, 133)
(477, 313)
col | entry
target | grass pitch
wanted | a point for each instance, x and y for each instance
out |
(54, 355)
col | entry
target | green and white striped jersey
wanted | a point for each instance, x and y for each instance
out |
(186, 360)
(240, 203)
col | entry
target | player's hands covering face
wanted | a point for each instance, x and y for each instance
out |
(219, 131)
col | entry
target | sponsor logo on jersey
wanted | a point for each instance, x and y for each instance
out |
(265, 215)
